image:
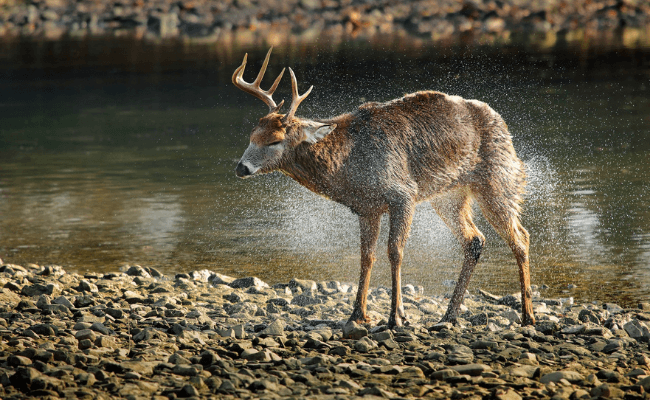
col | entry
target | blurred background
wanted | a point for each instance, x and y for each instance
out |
(120, 131)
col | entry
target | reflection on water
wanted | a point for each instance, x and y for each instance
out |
(99, 168)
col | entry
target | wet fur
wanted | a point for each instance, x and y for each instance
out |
(387, 157)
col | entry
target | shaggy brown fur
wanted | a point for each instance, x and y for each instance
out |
(387, 157)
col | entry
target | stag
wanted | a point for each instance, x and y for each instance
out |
(388, 157)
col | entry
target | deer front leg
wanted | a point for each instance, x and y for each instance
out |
(369, 229)
(400, 223)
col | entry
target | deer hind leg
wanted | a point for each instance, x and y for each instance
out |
(369, 229)
(456, 212)
(503, 214)
(401, 216)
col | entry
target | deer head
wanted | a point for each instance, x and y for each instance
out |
(276, 135)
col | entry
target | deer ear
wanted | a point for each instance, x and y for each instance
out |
(314, 133)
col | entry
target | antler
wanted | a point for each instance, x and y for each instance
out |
(296, 99)
(254, 88)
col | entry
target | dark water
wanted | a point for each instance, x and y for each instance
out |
(116, 153)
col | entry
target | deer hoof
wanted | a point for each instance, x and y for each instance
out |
(527, 319)
(359, 317)
(449, 318)
(395, 322)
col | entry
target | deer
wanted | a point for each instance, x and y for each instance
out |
(386, 158)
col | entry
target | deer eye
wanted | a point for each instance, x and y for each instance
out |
(275, 143)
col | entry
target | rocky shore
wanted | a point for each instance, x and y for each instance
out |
(140, 334)
(290, 21)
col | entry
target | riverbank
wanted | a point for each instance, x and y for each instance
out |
(262, 22)
(138, 334)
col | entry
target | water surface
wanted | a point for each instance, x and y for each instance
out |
(128, 158)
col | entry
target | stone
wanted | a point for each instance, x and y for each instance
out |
(441, 325)
(185, 370)
(44, 329)
(607, 391)
(573, 329)
(364, 345)
(525, 371)
(24, 377)
(479, 319)
(471, 369)
(505, 393)
(613, 308)
(85, 379)
(255, 355)
(86, 286)
(637, 330)
(137, 270)
(304, 300)
(459, 354)
(570, 376)
(248, 282)
(177, 359)
(352, 330)
(219, 279)
(304, 285)
(85, 334)
(444, 374)
(512, 315)
(99, 327)
(18, 361)
(189, 391)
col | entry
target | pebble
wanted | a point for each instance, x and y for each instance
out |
(207, 338)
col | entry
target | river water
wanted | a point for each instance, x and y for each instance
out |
(115, 152)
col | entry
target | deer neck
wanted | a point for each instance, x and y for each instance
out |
(317, 166)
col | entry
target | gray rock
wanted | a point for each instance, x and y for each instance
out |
(364, 345)
(248, 282)
(637, 330)
(44, 329)
(459, 354)
(613, 308)
(18, 361)
(85, 334)
(479, 319)
(512, 315)
(99, 327)
(381, 336)
(571, 376)
(440, 326)
(505, 393)
(483, 344)
(304, 300)
(588, 316)
(178, 359)
(276, 328)
(63, 301)
(352, 330)
(137, 270)
(219, 279)
(573, 329)
(114, 312)
(86, 286)
(471, 369)
(525, 371)
(255, 355)
(185, 370)
(189, 391)
(304, 285)
(24, 377)
(278, 301)
(444, 374)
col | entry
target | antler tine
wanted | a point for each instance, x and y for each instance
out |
(296, 98)
(254, 87)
